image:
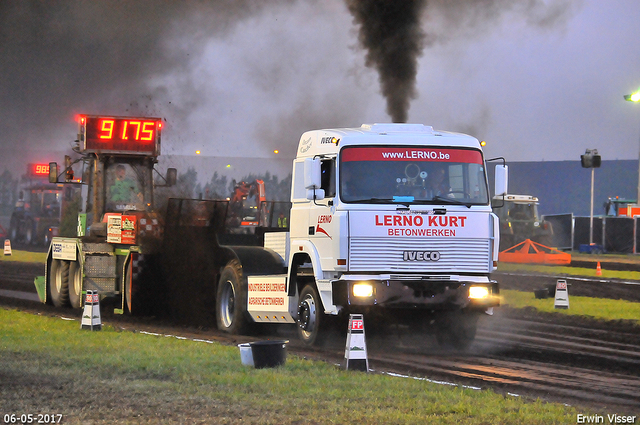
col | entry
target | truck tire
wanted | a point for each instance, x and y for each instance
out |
(59, 283)
(231, 300)
(75, 285)
(457, 329)
(310, 316)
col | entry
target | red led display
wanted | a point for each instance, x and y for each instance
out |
(39, 170)
(121, 134)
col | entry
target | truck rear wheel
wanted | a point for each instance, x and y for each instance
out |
(310, 316)
(75, 285)
(59, 283)
(231, 300)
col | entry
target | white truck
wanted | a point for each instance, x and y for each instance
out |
(385, 218)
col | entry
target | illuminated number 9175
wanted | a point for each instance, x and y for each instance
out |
(134, 129)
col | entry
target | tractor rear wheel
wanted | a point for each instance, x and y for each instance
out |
(75, 285)
(59, 283)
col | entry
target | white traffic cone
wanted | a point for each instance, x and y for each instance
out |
(562, 294)
(355, 353)
(91, 315)
(7, 247)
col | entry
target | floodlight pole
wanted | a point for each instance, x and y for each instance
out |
(635, 98)
(593, 173)
(591, 159)
(638, 198)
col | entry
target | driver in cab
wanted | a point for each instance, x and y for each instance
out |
(124, 189)
(437, 185)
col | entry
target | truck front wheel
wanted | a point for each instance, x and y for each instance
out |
(59, 283)
(457, 329)
(231, 300)
(310, 316)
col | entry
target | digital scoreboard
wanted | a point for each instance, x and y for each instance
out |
(105, 134)
(38, 170)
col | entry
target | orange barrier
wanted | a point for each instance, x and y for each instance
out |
(534, 253)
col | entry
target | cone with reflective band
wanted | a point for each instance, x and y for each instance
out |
(91, 315)
(355, 353)
(562, 294)
(7, 247)
(598, 270)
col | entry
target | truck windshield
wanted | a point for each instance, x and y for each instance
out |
(433, 175)
(128, 187)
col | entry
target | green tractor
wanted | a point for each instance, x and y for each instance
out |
(519, 221)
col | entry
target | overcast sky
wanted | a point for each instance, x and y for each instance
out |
(537, 79)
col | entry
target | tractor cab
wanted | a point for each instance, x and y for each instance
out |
(520, 220)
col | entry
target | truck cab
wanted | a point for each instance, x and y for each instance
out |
(385, 218)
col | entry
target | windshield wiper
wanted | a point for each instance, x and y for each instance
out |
(445, 200)
(362, 201)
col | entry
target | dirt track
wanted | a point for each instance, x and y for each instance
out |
(518, 351)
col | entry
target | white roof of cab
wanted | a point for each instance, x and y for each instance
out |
(329, 141)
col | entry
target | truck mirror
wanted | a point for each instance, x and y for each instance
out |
(172, 176)
(312, 174)
(53, 172)
(315, 194)
(501, 180)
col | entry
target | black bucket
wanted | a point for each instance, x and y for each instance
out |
(541, 293)
(269, 353)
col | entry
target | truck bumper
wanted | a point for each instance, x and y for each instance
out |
(416, 294)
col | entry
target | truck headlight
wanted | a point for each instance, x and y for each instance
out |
(478, 292)
(362, 290)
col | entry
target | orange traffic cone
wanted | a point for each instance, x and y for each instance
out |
(598, 270)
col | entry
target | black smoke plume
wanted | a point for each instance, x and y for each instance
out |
(390, 32)
(59, 58)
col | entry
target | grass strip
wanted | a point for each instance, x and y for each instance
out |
(568, 271)
(25, 256)
(599, 308)
(50, 365)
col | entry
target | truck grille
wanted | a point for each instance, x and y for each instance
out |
(385, 254)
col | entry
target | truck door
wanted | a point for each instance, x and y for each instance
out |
(323, 224)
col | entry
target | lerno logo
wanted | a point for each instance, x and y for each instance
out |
(420, 256)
